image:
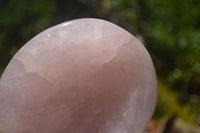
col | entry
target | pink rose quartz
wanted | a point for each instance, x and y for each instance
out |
(81, 76)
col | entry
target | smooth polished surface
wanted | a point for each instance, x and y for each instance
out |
(82, 76)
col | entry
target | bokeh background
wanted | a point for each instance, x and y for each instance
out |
(169, 29)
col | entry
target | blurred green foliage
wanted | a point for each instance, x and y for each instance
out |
(168, 105)
(169, 29)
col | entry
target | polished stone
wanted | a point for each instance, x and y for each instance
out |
(81, 76)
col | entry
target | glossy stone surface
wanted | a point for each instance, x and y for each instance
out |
(81, 76)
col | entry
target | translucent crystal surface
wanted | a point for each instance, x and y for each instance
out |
(81, 76)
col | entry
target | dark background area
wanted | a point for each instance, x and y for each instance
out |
(169, 29)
